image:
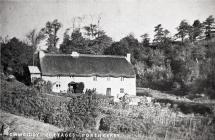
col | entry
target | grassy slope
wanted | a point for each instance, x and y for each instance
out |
(25, 125)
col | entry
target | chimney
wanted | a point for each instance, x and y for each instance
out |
(75, 54)
(128, 57)
(41, 54)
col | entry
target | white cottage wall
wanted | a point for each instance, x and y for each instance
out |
(101, 84)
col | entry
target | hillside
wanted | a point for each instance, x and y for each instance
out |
(21, 125)
(92, 113)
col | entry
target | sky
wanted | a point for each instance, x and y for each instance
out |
(118, 17)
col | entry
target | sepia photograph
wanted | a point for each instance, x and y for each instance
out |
(107, 70)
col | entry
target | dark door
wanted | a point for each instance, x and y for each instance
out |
(108, 92)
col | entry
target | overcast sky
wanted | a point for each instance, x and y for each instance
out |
(118, 17)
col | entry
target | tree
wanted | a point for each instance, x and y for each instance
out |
(197, 29)
(35, 37)
(15, 57)
(145, 39)
(99, 44)
(161, 35)
(74, 43)
(129, 42)
(51, 30)
(91, 31)
(78, 43)
(158, 33)
(133, 46)
(209, 24)
(116, 49)
(183, 30)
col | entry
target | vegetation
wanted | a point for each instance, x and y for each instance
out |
(77, 110)
(166, 63)
(86, 113)
(183, 64)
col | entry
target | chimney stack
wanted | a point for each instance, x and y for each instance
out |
(128, 57)
(75, 54)
(41, 54)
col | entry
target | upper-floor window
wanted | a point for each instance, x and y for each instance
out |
(72, 76)
(94, 78)
(121, 78)
(108, 78)
(57, 85)
(121, 90)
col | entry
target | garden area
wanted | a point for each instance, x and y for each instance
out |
(92, 113)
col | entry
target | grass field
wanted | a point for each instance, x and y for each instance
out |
(19, 124)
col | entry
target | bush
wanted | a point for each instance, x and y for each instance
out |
(85, 108)
(28, 102)
(203, 86)
(79, 87)
(116, 124)
(188, 108)
(42, 86)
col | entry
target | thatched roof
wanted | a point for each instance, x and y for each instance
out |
(34, 70)
(85, 65)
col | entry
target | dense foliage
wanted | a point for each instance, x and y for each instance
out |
(76, 111)
(15, 57)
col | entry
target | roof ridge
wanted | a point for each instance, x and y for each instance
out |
(85, 55)
(113, 56)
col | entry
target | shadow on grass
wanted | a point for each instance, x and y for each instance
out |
(188, 108)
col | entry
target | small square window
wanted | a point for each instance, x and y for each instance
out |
(121, 90)
(94, 78)
(108, 78)
(121, 78)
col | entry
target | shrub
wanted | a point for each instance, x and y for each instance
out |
(203, 86)
(85, 108)
(79, 87)
(28, 102)
(188, 108)
(42, 86)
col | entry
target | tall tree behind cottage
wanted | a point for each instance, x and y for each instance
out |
(51, 31)
(35, 37)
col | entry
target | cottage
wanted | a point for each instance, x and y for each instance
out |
(109, 75)
(35, 72)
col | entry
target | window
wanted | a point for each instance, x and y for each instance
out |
(94, 78)
(108, 78)
(57, 85)
(108, 92)
(121, 78)
(121, 90)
